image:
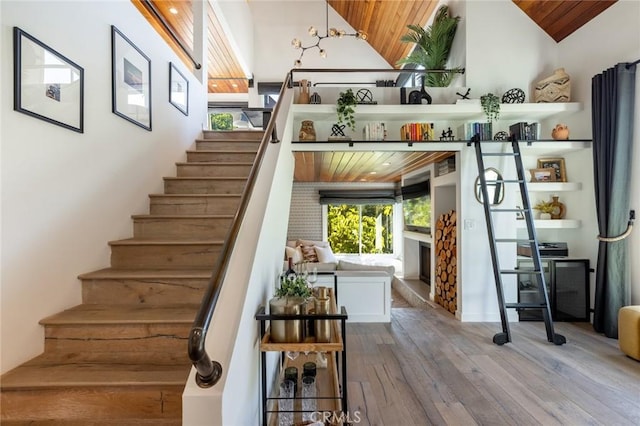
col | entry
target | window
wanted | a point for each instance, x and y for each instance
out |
(360, 228)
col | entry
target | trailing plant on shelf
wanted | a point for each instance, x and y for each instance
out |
(491, 106)
(432, 48)
(345, 107)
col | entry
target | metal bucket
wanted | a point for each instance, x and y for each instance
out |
(287, 331)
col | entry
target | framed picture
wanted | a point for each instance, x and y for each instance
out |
(47, 85)
(556, 164)
(543, 175)
(178, 89)
(130, 81)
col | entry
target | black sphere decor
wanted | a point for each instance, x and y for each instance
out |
(501, 136)
(513, 96)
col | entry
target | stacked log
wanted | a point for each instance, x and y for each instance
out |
(446, 268)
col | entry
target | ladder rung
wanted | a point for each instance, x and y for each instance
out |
(526, 305)
(519, 271)
(508, 210)
(499, 154)
(505, 181)
(513, 240)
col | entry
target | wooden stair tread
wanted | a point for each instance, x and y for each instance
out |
(215, 163)
(220, 151)
(45, 372)
(115, 273)
(205, 178)
(123, 314)
(150, 242)
(257, 141)
(195, 195)
(182, 216)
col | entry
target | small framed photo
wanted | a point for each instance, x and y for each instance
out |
(47, 85)
(130, 81)
(557, 164)
(178, 89)
(543, 175)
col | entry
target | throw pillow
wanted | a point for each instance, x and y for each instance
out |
(313, 243)
(294, 253)
(309, 254)
(325, 255)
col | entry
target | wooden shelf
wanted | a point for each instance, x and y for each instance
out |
(327, 387)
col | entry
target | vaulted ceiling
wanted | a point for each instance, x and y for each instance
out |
(384, 22)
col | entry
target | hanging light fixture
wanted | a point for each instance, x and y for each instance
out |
(329, 32)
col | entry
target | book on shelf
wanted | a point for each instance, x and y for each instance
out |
(374, 131)
(524, 131)
(417, 132)
(483, 130)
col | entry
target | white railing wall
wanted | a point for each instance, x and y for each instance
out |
(254, 267)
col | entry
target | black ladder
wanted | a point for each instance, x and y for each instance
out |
(532, 240)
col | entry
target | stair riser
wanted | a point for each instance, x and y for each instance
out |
(188, 186)
(230, 145)
(195, 205)
(143, 291)
(161, 340)
(232, 157)
(233, 134)
(213, 170)
(94, 404)
(181, 228)
(164, 256)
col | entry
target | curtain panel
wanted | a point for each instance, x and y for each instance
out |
(613, 99)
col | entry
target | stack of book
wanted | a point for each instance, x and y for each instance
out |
(417, 132)
(483, 130)
(524, 131)
(374, 131)
(446, 166)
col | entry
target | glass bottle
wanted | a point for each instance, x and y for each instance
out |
(559, 209)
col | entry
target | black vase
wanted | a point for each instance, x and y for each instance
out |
(416, 96)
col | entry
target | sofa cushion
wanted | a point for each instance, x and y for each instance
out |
(325, 255)
(312, 243)
(294, 253)
(350, 266)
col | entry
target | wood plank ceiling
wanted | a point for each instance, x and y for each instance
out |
(560, 19)
(384, 22)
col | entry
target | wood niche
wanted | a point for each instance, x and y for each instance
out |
(446, 271)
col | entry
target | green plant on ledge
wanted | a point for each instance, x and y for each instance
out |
(491, 106)
(346, 105)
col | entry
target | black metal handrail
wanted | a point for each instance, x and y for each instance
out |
(370, 70)
(208, 371)
(152, 8)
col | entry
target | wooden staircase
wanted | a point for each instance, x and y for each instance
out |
(120, 358)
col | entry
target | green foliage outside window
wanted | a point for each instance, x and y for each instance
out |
(221, 121)
(417, 211)
(354, 229)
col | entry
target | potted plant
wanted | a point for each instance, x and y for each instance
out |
(432, 47)
(290, 299)
(345, 108)
(545, 208)
(491, 106)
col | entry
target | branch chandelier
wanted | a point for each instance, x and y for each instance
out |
(329, 32)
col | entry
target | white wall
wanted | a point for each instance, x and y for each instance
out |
(65, 194)
(610, 38)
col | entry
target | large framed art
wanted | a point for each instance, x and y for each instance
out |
(131, 81)
(178, 89)
(47, 85)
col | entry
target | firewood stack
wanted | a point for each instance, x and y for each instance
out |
(446, 271)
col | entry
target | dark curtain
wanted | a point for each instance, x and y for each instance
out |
(613, 98)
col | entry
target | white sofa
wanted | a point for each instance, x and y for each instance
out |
(364, 290)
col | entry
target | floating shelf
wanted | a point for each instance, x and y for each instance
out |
(553, 186)
(552, 224)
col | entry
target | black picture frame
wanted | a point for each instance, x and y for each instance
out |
(46, 84)
(178, 89)
(130, 81)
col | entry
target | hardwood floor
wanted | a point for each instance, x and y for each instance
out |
(426, 368)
